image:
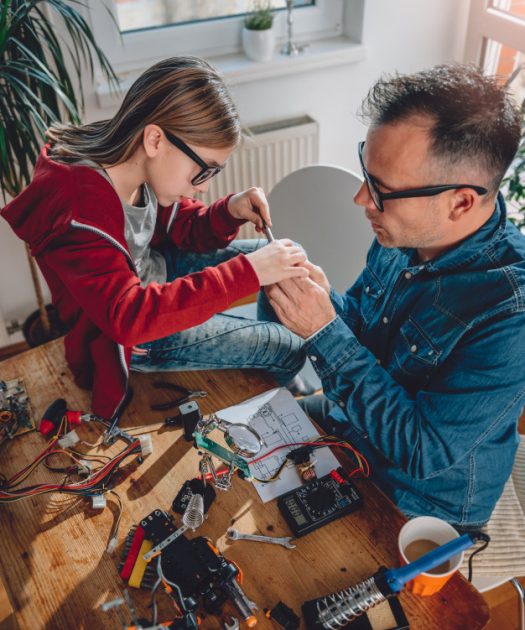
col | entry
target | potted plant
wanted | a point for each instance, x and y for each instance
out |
(258, 37)
(40, 83)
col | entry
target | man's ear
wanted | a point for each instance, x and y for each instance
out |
(152, 140)
(463, 200)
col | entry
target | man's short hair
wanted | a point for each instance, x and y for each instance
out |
(476, 120)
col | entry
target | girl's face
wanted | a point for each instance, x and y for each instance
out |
(170, 171)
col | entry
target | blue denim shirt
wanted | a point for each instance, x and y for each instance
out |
(426, 363)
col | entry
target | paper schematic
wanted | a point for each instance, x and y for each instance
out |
(278, 419)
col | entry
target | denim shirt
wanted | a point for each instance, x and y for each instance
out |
(426, 364)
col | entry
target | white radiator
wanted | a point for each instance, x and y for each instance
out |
(267, 153)
(4, 337)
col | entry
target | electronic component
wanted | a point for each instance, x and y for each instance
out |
(205, 444)
(283, 616)
(157, 526)
(198, 568)
(15, 409)
(303, 463)
(189, 488)
(319, 502)
(190, 415)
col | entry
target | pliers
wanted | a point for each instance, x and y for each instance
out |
(184, 395)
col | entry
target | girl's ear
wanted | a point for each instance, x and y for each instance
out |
(152, 139)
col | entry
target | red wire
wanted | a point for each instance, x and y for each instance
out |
(359, 456)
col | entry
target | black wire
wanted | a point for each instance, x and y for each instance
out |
(477, 536)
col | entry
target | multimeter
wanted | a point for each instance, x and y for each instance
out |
(319, 502)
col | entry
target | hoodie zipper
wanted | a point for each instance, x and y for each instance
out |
(172, 216)
(113, 241)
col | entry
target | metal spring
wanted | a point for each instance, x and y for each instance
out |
(338, 609)
(193, 516)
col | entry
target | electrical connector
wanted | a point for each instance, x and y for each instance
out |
(85, 467)
(98, 501)
(69, 439)
(300, 455)
(111, 545)
(146, 445)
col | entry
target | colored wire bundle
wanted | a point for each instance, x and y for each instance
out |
(97, 482)
(322, 441)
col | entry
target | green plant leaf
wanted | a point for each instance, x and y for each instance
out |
(40, 79)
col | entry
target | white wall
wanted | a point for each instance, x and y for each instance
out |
(400, 35)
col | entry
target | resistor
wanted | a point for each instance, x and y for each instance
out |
(306, 470)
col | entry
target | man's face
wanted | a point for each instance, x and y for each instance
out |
(396, 156)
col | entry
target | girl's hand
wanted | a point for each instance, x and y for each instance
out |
(251, 205)
(277, 261)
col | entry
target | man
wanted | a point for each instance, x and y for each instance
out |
(422, 360)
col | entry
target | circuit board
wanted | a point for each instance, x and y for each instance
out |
(16, 415)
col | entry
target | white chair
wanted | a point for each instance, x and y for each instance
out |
(504, 558)
(314, 206)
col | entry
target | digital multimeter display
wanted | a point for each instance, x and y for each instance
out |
(318, 502)
(295, 511)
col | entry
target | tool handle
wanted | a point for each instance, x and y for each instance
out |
(268, 232)
(397, 578)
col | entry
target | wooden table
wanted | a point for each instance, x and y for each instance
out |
(52, 548)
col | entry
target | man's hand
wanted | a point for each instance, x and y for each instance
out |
(251, 205)
(316, 274)
(302, 305)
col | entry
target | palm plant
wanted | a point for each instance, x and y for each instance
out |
(40, 83)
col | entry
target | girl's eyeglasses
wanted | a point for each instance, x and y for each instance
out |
(207, 171)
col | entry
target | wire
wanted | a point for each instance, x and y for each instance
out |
(113, 537)
(320, 442)
(97, 482)
(477, 536)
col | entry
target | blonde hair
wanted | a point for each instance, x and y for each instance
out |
(183, 95)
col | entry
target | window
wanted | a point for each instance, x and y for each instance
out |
(496, 41)
(143, 14)
(502, 60)
(514, 7)
(156, 31)
(498, 22)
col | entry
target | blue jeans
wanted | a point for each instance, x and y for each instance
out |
(224, 341)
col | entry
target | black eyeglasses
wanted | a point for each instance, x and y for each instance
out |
(207, 171)
(428, 191)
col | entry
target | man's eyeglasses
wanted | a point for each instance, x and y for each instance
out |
(207, 171)
(428, 191)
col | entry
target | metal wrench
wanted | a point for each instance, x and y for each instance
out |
(231, 623)
(286, 541)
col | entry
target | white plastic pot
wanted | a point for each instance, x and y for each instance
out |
(258, 45)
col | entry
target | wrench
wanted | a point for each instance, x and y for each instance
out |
(233, 534)
(231, 623)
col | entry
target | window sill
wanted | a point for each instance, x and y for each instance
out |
(237, 68)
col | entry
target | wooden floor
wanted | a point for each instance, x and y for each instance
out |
(502, 601)
(504, 607)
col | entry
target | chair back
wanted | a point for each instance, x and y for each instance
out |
(504, 558)
(314, 206)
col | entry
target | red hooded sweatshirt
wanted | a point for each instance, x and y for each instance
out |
(73, 221)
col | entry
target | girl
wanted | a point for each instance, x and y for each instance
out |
(138, 269)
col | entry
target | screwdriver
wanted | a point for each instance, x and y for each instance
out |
(267, 231)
